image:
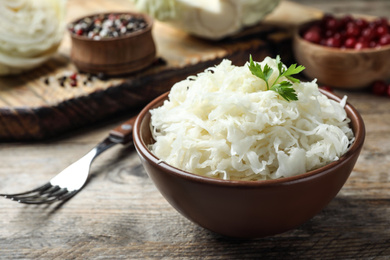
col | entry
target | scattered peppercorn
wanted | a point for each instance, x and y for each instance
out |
(46, 81)
(61, 81)
(108, 25)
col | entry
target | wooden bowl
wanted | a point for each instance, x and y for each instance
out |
(342, 68)
(247, 209)
(115, 55)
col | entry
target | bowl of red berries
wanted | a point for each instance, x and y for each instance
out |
(112, 43)
(344, 51)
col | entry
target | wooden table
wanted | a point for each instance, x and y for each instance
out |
(121, 215)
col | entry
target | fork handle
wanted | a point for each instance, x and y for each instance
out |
(123, 133)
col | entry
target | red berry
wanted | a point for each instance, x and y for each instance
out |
(345, 20)
(361, 23)
(380, 88)
(333, 42)
(350, 43)
(353, 30)
(329, 33)
(382, 30)
(384, 40)
(382, 21)
(80, 32)
(312, 35)
(373, 44)
(361, 45)
(332, 24)
(368, 34)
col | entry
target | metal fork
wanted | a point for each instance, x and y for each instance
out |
(72, 179)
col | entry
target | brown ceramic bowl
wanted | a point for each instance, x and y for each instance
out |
(247, 209)
(115, 55)
(342, 68)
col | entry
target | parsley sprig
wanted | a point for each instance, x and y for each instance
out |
(284, 88)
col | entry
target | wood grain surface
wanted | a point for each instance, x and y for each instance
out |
(121, 215)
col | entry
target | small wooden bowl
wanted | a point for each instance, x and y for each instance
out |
(115, 55)
(342, 68)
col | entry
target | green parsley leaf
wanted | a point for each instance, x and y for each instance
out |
(267, 72)
(256, 70)
(285, 88)
(292, 70)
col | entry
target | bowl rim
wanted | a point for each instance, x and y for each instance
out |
(297, 36)
(146, 154)
(148, 19)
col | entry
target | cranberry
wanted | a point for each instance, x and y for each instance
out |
(353, 30)
(373, 44)
(380, 88)
(361, 23)
(312, 35)
(382, 30)
(361, 44)
(350, 43)
(80, 32)
(368, 34)
(329, 33)
(326, 18)
(382, 21)
(345, 20)
(333, 42)
(332, 24)
(384, 40)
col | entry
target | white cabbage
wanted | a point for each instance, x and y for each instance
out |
(223, 123)
(30, 32)
(212, 19)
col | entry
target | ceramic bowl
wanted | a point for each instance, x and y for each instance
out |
(115, 55)
(342, 68)
(247, 209)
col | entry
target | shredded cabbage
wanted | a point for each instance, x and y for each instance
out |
(30, 33)
(223, 123)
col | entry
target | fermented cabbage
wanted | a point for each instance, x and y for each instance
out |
(30, 33)
(212, 19)
(223, 123)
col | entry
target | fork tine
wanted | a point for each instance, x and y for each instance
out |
(61, 195)
(44, 194)
(46, 198)
(68, 196)
(39, 189)
(38, 200)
